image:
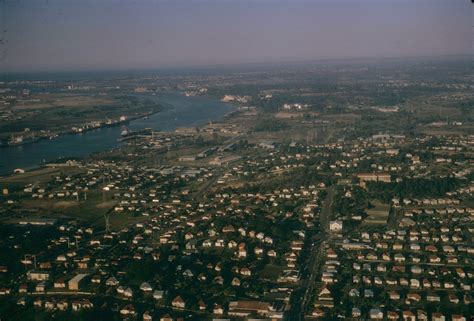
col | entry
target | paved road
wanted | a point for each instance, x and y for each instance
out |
(318, 250)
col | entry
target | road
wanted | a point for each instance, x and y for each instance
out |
(317, 251)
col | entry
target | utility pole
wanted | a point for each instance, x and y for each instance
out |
(107, 223)
(77, 241)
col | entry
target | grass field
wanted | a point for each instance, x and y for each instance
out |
(63, 100)
(41, 175)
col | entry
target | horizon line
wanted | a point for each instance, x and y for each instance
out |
(183, 67)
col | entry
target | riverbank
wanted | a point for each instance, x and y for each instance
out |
(176, 111)
(53, 135)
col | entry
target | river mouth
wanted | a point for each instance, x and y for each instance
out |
(179, 111)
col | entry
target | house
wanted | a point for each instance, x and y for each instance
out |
(235, 282)
(331, 254)
(38, 303)
(399, 258)
(245, 271)
(258, 251)
(178, 303)
(433, 297)
(438, 317)
(218, 309)
(158, 294)
(40, 287)
(166, 317)
(413, 296)
(376, 314)
(202, 305)
(188, 273)
(23, 288)
(408, 316)
(232, 244)
(356, 313)
(146, 287)
(374, 177)
(59, 284)
(422, 315)
(77, 281)
(228, 229)
(393, 295)
(242, 252)
(317, 313)
(414, 283)
(219, 280)
(111, 281)
(62, 305)
(453, 298)
(96, 279)
(81, 305)
(245, 308)
(38, 275)
(381, 268)
(127, 310)
(147, 316)
(415, 269)
(50, 305)
(368, 293)
(397, 247)
(426, 284)
(325, 294)
(354, 293)
(325, 298)
(392, 315)
(335, 226)
(128, 292)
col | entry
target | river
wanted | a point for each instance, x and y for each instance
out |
(181, 111)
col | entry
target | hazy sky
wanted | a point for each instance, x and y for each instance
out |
(103, 34)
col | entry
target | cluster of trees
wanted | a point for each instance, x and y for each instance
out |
(414, 188)
(356, 204)
(269, 125)
(294, 179)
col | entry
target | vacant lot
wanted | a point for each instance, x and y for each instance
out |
(63, 100)
(41, 175)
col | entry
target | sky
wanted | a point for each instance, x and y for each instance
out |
(136, 34)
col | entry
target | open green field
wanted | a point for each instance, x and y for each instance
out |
(42, 175)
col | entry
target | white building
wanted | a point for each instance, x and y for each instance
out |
(335, 226)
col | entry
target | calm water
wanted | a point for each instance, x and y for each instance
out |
(182, 112)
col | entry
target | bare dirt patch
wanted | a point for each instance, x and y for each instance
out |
(105, 205)
(64, 204)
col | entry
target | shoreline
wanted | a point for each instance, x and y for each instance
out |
(70, 132)
(162, 107)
